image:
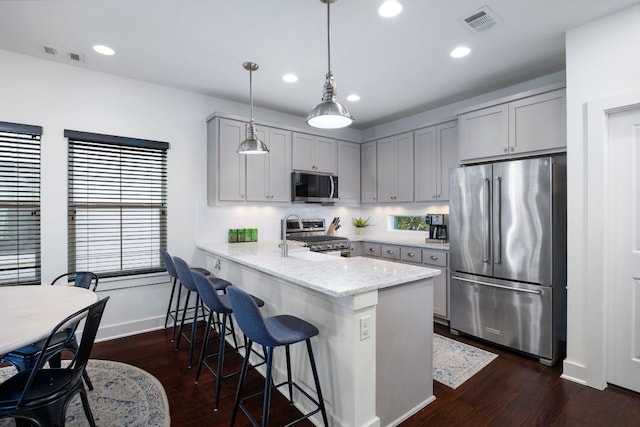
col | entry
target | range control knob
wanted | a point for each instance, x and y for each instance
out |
(314, 248)
(328, 246)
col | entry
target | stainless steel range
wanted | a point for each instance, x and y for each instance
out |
(313, 234)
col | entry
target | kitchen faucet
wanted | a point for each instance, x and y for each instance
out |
(284, 249)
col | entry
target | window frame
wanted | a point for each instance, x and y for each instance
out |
(95, 161)
(20, 169)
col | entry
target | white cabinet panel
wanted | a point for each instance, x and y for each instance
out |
(436, 151)
(538, 123)
(240, 177)
(314, 153)
(231, 166)
(268, 178)
(349, 172)
(531, 125)
(368, 172)
(395, 168)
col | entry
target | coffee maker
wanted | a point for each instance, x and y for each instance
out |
(437, 228)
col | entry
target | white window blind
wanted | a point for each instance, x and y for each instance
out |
(117, 204)
(19, 204)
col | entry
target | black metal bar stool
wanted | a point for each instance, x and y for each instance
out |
(272, 332)
(184, 274)
(174, 314)
(218, 304)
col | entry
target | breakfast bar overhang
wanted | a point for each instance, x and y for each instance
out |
(374, 350)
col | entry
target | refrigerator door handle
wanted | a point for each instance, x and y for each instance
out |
(498, 223)
(493, 285)
(487, 224)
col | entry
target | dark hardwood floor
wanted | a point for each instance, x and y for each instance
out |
(512, 391)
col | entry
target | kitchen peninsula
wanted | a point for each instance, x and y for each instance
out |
(374, 350)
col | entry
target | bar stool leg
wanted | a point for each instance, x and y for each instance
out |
(221, 338)
(207, 331)
(175, 318)
(289, 382)
(312, 360)
(243, 374)
(173, 290)
(267, 389)
(184, 314)
(194, 330)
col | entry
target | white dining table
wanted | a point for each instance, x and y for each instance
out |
(29, 313)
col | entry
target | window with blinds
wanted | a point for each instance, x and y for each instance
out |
(117, 204)
(19, 204)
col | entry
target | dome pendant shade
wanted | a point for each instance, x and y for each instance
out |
(329, 114)
(251, 145)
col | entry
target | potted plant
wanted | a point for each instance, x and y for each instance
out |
(360, 224)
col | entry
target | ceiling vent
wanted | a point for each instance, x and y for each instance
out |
(480, 20)
(62, 54)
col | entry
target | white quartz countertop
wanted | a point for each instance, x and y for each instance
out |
(331, 275)
(398, 239)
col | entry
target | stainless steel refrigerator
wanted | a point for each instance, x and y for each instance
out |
(507, 223)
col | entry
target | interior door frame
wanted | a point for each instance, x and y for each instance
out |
(597, 250)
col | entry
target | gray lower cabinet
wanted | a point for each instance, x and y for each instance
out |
(438, 260)
(371, 249)
(432, 258)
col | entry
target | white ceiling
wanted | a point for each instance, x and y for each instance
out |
(398, 66)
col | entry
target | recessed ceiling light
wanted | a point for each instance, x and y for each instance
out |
(290, 78)
(390, 8)
(353, 97)
(460, 51)
(104, 50)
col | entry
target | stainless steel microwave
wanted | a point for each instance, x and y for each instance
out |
(313, 188)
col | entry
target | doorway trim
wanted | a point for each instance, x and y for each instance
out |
(598, 266)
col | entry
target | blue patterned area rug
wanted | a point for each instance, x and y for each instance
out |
(455, 362)
(123, 395)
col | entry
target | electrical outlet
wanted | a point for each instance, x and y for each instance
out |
(365, 328)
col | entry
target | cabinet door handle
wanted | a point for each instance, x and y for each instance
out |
(506, 150)
(389, 251)
(513, 149)
(433, 257)
(410, 254)
(372, 250)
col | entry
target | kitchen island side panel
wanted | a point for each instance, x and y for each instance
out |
(404, 351)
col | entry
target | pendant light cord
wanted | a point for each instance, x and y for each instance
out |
(251, 91)
(329, 36)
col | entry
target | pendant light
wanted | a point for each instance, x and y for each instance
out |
(329, 114)
(251, 145)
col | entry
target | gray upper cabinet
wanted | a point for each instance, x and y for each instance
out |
(531, 125)
(230, 166)
(348, 172)
(314, 153)
(268, 176)
(234, 177)
(436, 151)
(395, 168)
(368, 172)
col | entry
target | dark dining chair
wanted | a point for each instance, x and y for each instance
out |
(25, 357)
(40, 396)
